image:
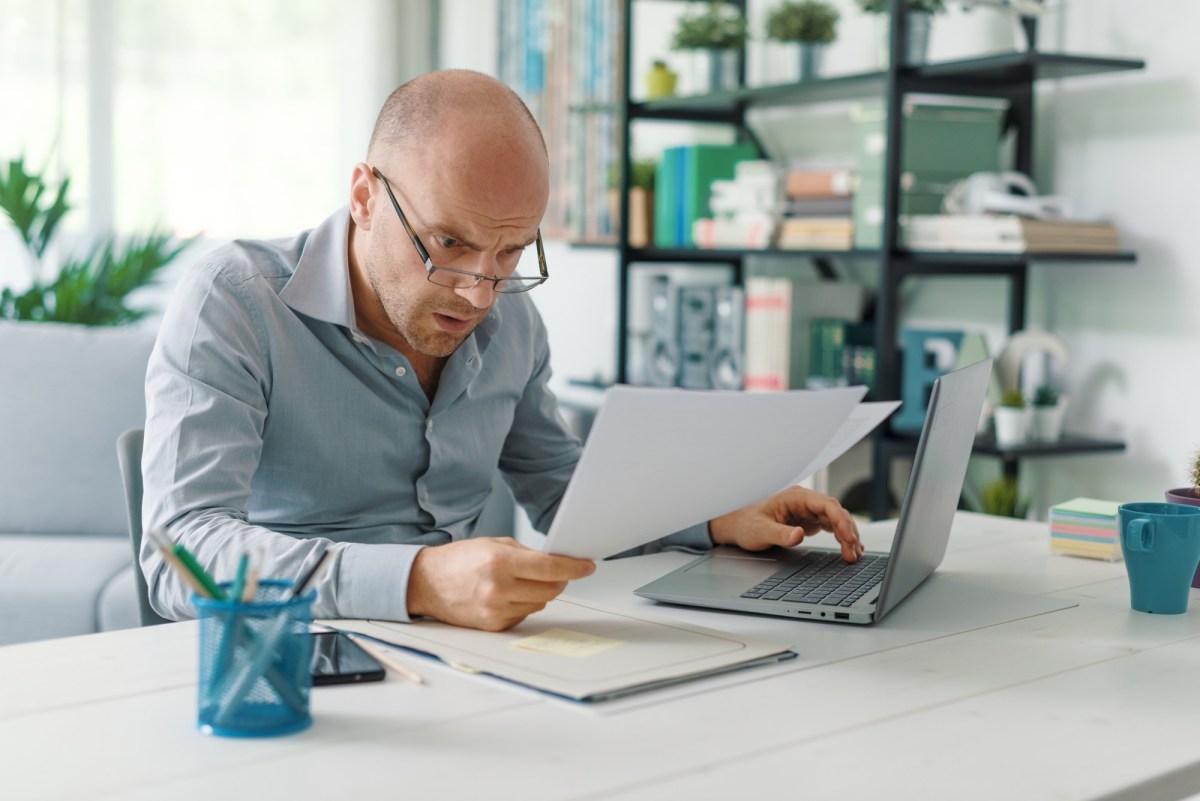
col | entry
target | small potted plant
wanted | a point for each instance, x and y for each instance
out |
(1048, 410)
(1189, 495)
(1012, 419)
(641, 200)
(1001, 497)
(716, 37)
(811, 24)
(660, 80)
(916, 25)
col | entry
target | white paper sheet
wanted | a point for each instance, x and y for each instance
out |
(862, 421)
(660, 460)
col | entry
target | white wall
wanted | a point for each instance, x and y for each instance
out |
(1119, 146)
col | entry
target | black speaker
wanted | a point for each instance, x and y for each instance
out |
(662, 358)
(695, 336)
(727, 358)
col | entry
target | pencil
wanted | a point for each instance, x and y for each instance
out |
(381, 653)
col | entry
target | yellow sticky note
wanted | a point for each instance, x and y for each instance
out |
(567, 643)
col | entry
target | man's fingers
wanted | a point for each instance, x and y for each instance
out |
(537, 566)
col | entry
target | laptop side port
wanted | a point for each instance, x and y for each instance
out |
(841, 615)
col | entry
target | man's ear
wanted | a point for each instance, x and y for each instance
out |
(362, 184)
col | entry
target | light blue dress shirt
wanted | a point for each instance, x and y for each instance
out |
(274, 423)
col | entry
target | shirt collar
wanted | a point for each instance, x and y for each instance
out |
(320, 283)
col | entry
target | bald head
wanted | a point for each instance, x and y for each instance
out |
(429, 105)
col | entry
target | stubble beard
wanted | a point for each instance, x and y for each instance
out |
(413, 320)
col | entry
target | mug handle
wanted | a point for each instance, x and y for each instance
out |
(1139, 535)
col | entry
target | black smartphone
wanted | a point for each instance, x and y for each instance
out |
(337, 659)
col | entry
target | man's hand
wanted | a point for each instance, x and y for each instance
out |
(488, 583)
(786, 518)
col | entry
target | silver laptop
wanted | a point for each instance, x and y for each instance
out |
(815, 583)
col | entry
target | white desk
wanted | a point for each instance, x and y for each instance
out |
(1090, 701)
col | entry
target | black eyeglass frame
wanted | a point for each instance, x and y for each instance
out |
(524, 284)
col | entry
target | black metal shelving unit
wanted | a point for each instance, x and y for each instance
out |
(1010, 76)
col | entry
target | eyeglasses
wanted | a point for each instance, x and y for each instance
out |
(461, 279)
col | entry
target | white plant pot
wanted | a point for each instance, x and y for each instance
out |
(1047, 422)
(1012, 426)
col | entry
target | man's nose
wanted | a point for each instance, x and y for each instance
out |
(480, 295)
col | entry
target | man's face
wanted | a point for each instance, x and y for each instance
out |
(480, 222)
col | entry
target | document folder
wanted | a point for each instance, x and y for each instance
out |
(580, 650)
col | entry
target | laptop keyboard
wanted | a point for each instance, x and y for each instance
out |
(821, 578)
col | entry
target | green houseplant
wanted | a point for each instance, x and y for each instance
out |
(1012, 419)
(715, 36)
(89, 288)
(1048, 410)
(1001, 497)
(811, 24)
(641, 199)
(917, 24)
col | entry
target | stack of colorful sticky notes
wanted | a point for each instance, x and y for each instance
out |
(1085, 527)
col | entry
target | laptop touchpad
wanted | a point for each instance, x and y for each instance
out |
(743, 568)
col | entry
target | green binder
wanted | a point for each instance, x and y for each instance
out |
(703, 164)
(666, 198)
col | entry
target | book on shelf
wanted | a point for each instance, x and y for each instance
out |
(683, 183)
(806, 183)
(751, 232)
(819, 207)
(1005, 233)
(768, 333)
(816, 233)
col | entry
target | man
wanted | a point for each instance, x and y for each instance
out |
(355, 389)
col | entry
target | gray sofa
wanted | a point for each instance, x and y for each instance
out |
(66, 394)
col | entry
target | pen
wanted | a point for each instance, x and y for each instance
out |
(190, 567)
(380, 653)
(303, 583)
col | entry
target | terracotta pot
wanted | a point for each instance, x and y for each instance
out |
(1186, 495)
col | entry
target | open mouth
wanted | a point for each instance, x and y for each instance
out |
(453, 325)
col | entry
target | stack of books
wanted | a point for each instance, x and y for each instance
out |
(682, 185)
(817, 214)
(744, 209)
(768, 334)
(1085, 527)
(1005, 233)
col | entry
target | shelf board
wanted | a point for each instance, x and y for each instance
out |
(991, 71)
(925, 262)
(731, 255)
(1010, 68)
(985, 444)
(1068, 445)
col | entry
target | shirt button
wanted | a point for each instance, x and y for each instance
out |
(426, 496)
(359, 339)
(400, 371)
(429, 426)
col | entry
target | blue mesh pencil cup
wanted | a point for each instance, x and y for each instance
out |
(255, 662)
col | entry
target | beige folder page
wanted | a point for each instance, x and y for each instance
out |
(580, 650)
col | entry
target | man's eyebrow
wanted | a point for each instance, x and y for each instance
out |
(449, 230)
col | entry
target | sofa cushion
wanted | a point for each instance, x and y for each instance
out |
(69, 391)
(51, 585)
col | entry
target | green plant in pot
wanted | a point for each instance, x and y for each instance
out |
(1001, 497)
(716, 37)
(917, 23)
(1012, 419)
(90, 288)
(641, 199)
(1049, 407)
(811, 24)
(1190, 494)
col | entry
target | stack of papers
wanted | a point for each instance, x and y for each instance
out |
(1085, 527)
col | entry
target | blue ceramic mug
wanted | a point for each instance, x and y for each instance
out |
(1161, 544)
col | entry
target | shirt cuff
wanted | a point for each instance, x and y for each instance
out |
(695, 539)
(373, 581)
